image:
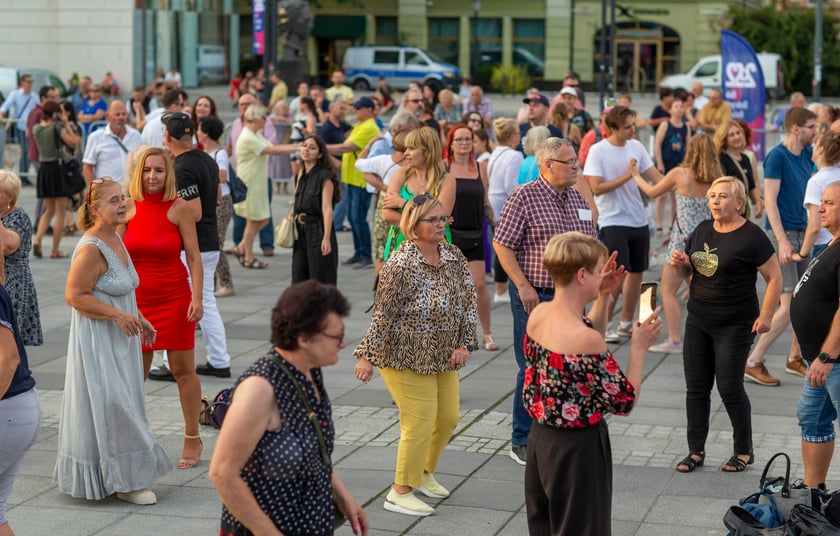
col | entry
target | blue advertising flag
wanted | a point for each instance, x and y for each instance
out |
(743, 85)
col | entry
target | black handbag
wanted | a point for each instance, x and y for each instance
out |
(807, 521)
(238, 190)
(72, 180)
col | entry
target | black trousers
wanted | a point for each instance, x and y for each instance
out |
(568, 481)
(715, 349)
(307, 261)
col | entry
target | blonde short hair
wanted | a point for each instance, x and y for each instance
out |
(415, 209)
(135, 186)
(534, 137)
(10, 184)
(567, 253)
(738, 190)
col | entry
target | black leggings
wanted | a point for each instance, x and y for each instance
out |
(716, 350)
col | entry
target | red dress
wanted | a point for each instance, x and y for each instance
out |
(164, 294)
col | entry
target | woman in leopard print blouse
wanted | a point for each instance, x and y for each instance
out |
(422, 331)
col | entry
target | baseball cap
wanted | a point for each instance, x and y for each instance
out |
(568, 91)
(536, 98)
(364, 102)
(178, 124)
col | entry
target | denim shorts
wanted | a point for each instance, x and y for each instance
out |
(792, 271)
(818, 407)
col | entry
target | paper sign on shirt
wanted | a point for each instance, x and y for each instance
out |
(584, 214)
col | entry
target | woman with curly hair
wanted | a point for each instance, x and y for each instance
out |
(560, 119)
(732, 141)
(692, 179)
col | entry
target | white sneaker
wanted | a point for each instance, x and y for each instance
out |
(431, 488)
(501, 298)
(407, 503)
(143, 496)
(612, 336)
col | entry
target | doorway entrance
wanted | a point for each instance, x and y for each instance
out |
(330, 58)
(643, 53)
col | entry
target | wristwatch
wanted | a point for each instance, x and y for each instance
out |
(470, 348)
(825, 358)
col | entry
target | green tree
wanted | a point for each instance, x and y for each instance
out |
(791, 35)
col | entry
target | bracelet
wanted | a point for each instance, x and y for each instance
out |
(801, 255)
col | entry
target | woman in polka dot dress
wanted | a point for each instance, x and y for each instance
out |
(271, 466)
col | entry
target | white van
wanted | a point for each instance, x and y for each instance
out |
(399, 65)
(707, 70)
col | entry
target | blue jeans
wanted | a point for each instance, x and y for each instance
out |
(359, 203)
(266, 233)
(818, 408)
(340, 209)
(521, 419)
(24, 158)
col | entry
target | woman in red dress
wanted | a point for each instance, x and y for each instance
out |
(159, 225)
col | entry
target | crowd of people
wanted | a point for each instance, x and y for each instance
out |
(561, 209)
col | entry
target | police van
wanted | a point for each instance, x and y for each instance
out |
(399, 65)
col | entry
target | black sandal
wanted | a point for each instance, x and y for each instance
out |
(738, 464)
(254, 263)
(691, 463)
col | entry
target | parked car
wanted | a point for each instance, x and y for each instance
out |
(708, 71)
(399, 65)
(10, 80)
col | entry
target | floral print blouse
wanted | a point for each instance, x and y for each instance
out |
(573, 390)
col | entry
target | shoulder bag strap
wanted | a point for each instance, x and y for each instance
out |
(58, 142)
(120, 143)
(310, 414)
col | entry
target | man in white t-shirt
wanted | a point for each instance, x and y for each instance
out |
(622, 217)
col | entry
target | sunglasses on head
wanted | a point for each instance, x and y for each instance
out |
(95, 182)
(422, 198)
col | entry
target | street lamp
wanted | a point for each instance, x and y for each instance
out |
(476, 5)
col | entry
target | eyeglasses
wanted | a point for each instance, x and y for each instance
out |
(339, 338)
(569, 162)
(462, 140)
(438, 220)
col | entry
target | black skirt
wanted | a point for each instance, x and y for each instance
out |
(50, 181)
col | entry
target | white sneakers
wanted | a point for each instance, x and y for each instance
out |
(407, 503)
(143, 496)
(431, 488)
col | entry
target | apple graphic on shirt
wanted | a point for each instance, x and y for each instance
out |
(705, 261)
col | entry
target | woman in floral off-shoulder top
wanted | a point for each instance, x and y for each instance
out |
(421, 332)
(571, 382)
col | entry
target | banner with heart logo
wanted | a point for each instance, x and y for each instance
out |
(743, 85)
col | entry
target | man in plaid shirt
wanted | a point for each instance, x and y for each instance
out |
(534, 213)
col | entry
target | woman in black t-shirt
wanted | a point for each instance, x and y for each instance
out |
(723, 256)
(732, 140)
(315, 253)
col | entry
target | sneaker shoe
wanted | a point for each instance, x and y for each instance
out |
(797, 366)
(143, 496)
(624, 332)
(431, 488)
(611, 336)
(161, 374)
(362, 264)
(209, 370)
(407, 503)
(760, 375)
(667, 347)
(351, 260)
(501, 298)
(517, 454)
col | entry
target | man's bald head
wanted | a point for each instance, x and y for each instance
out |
(117, 115)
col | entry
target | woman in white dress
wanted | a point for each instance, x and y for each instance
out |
(105, 443)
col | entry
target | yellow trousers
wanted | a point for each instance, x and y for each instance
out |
(429, 407)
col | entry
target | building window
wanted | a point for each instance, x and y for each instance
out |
(488, 34)
(386, 31)
(443, 38)
(529, 35)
